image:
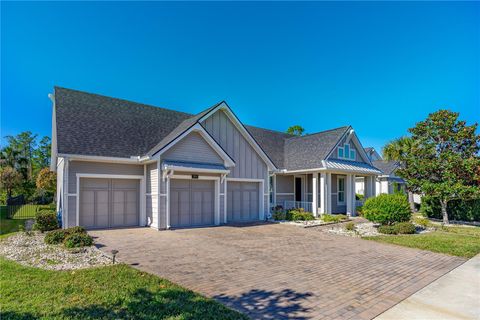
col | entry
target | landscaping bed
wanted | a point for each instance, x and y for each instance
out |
(30, 249)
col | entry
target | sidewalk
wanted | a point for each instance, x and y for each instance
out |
(456, 295)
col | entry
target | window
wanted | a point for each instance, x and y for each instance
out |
(341, 190)
(346, 153)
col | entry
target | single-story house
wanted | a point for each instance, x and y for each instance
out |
(121, 163)
(388, 182)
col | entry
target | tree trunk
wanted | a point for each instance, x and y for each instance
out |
(444, 211)
(411, 202)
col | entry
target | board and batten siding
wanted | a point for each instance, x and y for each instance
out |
(152, 195)
(248, 163)
(193, 148)
(75, 167)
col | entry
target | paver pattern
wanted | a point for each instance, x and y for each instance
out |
(271, 271)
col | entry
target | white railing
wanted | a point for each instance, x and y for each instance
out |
(288, 204)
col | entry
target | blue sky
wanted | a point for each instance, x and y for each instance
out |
(378, 66)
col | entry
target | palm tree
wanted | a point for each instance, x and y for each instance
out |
(398, 150)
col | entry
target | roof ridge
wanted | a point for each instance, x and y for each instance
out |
(124, 100)
(324, 131)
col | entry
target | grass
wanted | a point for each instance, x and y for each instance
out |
(9, 225)
(114, 292)
(456, 241)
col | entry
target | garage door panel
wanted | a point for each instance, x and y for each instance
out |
(191, 203)
(243, 201)
(106, 203)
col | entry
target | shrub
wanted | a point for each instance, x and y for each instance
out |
(45, 220)
(404, 228)
(460, 210)
(278, 215)
(302, 215)
(387, 209)
(77, 240)
(359, 210)
(76, 230)
(423, 222)
(289, 215)
(56, 236)
(386, 229)
(333, 217)
(359, 196)
(350, 226)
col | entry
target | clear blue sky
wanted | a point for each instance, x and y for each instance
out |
(378, 66)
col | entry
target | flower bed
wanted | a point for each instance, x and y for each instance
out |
(31, 250)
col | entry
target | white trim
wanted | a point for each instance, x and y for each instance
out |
(315, 193)
(238, 124)
(245, 180)
(79, 157)
(285, 194)
(71, 194)
(349, 152)
(228, 161)
(186, 169)
(66, 169)
(159, 185)
(216, 194)
(341, 203)
(225, 200)
(141, 191)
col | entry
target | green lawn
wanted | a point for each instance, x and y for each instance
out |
(457, 241)
(115, 292)
(8, 225)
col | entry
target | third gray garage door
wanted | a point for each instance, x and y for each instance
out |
(192, 203)
(242, 201)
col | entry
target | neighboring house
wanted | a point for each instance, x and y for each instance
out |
(121, 163)
(387, 182)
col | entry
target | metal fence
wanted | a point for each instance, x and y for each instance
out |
(23, 211)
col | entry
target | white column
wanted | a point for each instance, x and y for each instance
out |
(348, 194)
(315, 194)
(373, 189)
(274, 190)
(323, 193)
(354, 200)
(329, 193)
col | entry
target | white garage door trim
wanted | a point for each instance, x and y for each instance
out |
(189, 177)
(143, 214)
(261, 191)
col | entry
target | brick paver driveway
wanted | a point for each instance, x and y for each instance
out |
(273, 271)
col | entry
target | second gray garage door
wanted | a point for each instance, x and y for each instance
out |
(242, 201)
(192, 203)
(109, 203)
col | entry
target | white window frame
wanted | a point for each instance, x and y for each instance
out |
(350, 152)
(340, 191)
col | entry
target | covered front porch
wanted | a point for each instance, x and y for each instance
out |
(329, 190)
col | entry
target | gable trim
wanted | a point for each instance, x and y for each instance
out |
(351, 136)
(240, 127)
(227, 160)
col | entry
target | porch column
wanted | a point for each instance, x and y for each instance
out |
(348, 194)
(328, 198)
(354, 198)
(323, 191)
(370, 185)
(315, 194)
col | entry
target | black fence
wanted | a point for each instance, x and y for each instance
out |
(25, 211)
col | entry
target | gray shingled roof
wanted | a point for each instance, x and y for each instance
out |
(387, 167)
(307, 152)
(91, 124)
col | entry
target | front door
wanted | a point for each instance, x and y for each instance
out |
(298, 189)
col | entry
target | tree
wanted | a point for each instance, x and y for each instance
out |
(9, 179)
(398, 150)
(47, 180)
(296, 130)
(41, 154)
(443, 160)
(25, 143)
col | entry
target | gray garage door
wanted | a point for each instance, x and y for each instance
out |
(109, 203)
(192, 203)
(242, 201)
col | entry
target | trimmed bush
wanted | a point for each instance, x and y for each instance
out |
(423, 222)
(333, 217)
(58, 236)
(278, 215)
(386, 229)
(302, 215)
(459, 210)
(350, 226)
(404, 228)
(45, 220)
(77, 240)
(387, 209)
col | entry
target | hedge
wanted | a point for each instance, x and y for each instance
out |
(459, 210)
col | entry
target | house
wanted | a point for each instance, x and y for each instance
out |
(388, 182)
(121, 163)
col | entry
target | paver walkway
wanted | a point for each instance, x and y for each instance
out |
(272, 271)
(455, 296)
